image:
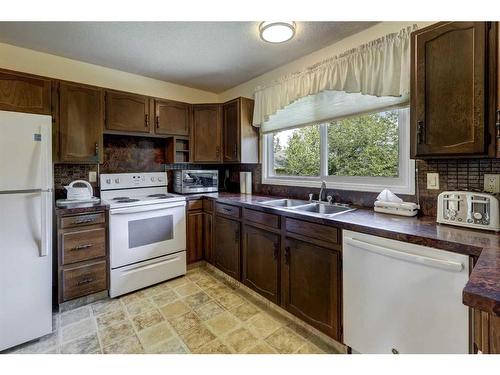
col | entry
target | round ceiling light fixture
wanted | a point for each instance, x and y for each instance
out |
(277, 31)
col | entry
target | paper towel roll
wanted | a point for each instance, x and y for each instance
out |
(243, 184)
(248, 182)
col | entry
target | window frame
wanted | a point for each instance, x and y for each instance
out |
(403, 184)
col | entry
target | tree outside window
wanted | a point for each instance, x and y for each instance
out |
(365, 145)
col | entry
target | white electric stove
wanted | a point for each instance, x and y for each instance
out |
(147, 230)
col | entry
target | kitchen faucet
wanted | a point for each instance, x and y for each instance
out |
(323, 187)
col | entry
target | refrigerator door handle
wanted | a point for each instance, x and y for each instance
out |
(45, 222)
(25, 191)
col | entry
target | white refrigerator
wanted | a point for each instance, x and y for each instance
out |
(25, 228)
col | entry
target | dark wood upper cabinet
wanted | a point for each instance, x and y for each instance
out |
(80, 123)
(127, 112)
(495, 82)
(240, 139)
(311, 285)
(449, 90)
(261, 250)
(24, 93)
(226, 250)
(206, 133)
(171, 118)
(231, 131)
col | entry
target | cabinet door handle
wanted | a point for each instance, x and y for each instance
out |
(235, 150)
(497, 125)
(146, 121)
(84, 246)
(157, 122)
(85, 281)
(420, 131)
(96, 150)
(217, 151)
(287, 255)
(84, 221)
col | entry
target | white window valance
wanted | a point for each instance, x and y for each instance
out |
(372, 76)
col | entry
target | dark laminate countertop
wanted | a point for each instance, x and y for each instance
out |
(81, 208)
(483, 289)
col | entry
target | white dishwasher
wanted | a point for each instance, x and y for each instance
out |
(403, 298)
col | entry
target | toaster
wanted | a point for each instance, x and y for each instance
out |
(469, 209)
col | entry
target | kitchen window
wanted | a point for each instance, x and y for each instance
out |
(365, 152)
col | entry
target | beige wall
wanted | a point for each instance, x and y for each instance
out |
(247, 89)
(44, 64)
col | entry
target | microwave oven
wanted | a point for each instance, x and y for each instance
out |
(188, 181)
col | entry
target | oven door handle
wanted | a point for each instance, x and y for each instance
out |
(147, 208)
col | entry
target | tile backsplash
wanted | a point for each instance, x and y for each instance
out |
(462, 174)
(142, 154)
(65, 173)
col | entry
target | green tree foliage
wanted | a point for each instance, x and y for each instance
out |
(301, 157)
(358, 146)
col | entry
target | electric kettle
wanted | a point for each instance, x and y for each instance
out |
(76, 193)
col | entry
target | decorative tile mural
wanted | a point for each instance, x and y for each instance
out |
(133, 154)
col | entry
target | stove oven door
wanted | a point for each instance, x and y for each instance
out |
(145, 232)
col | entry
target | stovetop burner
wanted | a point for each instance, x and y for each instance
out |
(126, 200)
(161, 196)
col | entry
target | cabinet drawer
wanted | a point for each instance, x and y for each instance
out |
(83, 245)
(228, 210)
(195, 205)
(83, 280)
(263, 218)
(81, 220)
(208, 205)
(317, 231)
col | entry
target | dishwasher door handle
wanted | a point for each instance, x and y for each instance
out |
(413, 258)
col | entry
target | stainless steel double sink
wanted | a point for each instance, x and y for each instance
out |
(308, 208)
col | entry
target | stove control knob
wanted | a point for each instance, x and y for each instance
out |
(160, 179)
(117, 180)
(108, 180)
(477, 215)
(152, 179)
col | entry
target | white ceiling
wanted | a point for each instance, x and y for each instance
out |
(212, 56)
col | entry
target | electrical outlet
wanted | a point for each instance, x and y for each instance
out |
(492, 183)
(92, 176)
(433, 181)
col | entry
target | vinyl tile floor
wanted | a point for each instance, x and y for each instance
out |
(196, 313)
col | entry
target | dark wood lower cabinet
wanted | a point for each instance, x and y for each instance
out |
(486, 328)
(208, 233)
(82, 256)
(261, 251)
(226, 252)
(194, 240)
(311, 285)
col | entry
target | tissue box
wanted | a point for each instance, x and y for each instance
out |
(396, 208)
